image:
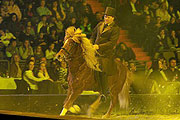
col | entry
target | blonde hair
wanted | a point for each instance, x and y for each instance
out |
(88, 50)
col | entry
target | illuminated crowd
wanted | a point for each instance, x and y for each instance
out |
(32, 32)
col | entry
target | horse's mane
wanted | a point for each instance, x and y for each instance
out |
(88, 50)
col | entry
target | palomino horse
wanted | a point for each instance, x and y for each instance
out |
(79, 54)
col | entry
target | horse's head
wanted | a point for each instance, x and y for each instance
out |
(69, 32)
(72, 38)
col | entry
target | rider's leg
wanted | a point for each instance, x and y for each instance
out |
(101, 79)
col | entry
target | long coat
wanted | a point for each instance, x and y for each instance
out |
(106, 39)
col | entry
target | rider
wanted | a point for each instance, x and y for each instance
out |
(104, 38)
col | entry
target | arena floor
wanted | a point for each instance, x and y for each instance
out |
(84, 117)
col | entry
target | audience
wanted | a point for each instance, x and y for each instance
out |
(42, 25)
(44, 86)
(14, 8)
(86, 26)
(50, 53)
(30, 28)
(172, 72)
(12, 49)
(6, 36)
(25, 50)
(42, 10)
(15, 69)
(29, 77)
(124, 53)
(162, 12)
(38, 53)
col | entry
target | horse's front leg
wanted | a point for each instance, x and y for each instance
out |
(68, 105)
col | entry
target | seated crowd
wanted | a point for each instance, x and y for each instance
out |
(153, 24)
(32, 32)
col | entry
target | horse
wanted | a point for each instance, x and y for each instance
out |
(82, 61)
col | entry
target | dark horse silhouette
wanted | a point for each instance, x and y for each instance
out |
(79, 54)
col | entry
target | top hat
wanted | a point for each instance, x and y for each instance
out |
(110, 11)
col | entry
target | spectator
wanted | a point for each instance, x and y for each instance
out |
(171, 11)
(42, 25)
(172, 72)
(42, 10)
(157, 79)
(14, 25)
(50, 53)
(53, 38)
(146, 11)
(12, 49)
(132, 67)
(98, 18)
(132, 14)
(44, 86)
(6, 36)
(15, 69)
(25, 50)
(58, 12)
(31, 58)
(162, 12)
(13, 8)
(86, 27)
(29, 77)
(57, 24)
(32, 31)
(29, 12)
(164, 64)
(38, 53)
(62, 77)
(172, 41)
(64, 5)
(2, 23)
(158, 25)
(85, 9)
(124, 53)
(147, 35)
(154, 6)
(161, 43)
(26, 35)
(71, 14)
(172, 25)
(4, 9)
(44, 60)
(59, 74)
(73, 22)
(42, 41)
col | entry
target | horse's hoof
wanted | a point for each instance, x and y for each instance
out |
(63, 112)
(75, 109)
(105, 116)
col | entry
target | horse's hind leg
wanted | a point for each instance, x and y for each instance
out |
(69, 102)
(114, 100)
(94, 106)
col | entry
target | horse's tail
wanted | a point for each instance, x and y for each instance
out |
(123, 96)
